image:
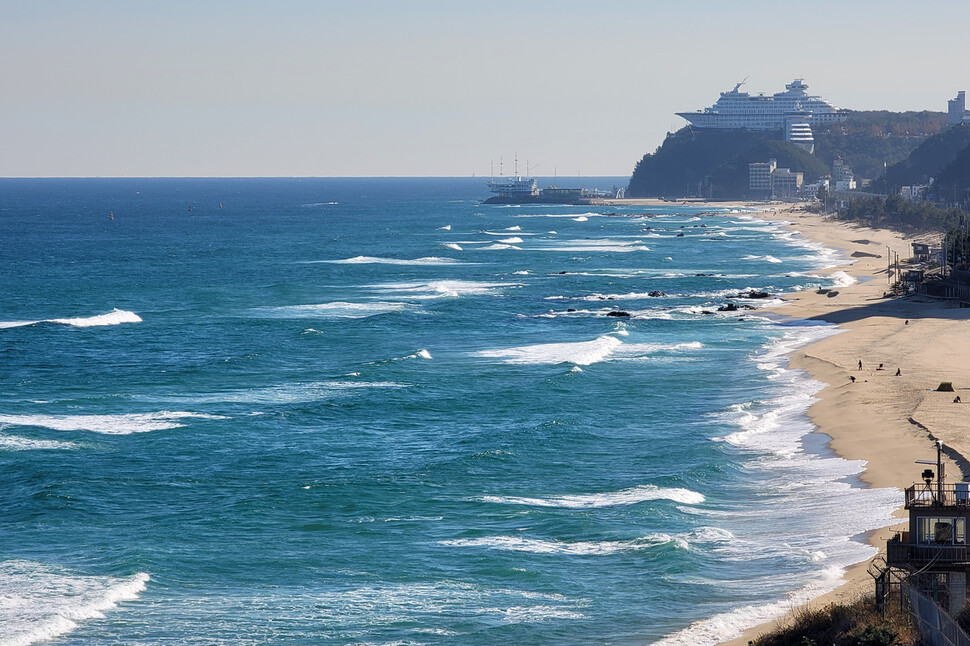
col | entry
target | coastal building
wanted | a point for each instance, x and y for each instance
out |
(842, 175)
(956, 109)
(737, 110)
(759, 177)
(931, 554)
(785, 183)
(765, 179)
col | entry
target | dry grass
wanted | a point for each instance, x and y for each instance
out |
(855, 624)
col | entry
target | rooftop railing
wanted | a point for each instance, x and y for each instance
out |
(949, 495)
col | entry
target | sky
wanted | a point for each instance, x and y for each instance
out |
(431, 88)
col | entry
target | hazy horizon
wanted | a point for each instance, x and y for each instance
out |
(429, 89)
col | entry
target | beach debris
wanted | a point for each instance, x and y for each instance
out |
(945, 387)
(618, 313)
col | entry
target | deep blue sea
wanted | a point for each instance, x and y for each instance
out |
(377, 411)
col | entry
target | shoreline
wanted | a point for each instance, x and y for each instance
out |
(883, 419)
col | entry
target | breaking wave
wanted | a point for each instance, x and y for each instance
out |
(630, 496)
(114, 317)
(123, 424)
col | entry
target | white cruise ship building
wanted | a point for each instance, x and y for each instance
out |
(737, 110)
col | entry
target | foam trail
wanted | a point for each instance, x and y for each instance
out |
(452, 245)
(335, 310)
(443, 288)
(124, 424)
(16, 443)
(540, 546)
(373, 260)
(41, 602)
(114, 317)
(630, 496)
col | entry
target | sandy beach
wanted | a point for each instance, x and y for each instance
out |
(887, 419)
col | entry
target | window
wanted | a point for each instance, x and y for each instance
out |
(942, 531)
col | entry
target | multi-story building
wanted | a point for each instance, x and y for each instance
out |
(759, 177)
(956, 109)
(785, 183)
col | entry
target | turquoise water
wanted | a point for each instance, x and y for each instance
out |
(376, 411)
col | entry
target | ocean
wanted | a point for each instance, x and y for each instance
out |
(377, 411)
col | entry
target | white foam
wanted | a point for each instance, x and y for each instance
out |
(541, 546)
(630, 496)
(123, 424)
(452, 245)
(582, 353)
(559, 215)
(512, 240)
(447, 227)
(41, 602)
(766, 258)
(334, 310)
(444, 288)
(365, 260)
(421, 604)
(114, 317)
(515, 228)
(841, 279)
(581, 218)
(15, 443)
(730, 625)
(282, 394)
(422, 354)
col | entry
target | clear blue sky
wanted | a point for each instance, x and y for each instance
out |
(300, 88)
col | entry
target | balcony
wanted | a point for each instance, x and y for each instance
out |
(901, 553)
(953, 495)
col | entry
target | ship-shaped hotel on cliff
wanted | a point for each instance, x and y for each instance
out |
(794, 111)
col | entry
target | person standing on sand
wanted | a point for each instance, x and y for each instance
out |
(860, 364)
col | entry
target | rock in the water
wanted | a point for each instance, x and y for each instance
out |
(730, 307)
(618, 313)
(657, 293)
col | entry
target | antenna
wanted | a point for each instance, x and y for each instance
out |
(501, 166)
(516, 164)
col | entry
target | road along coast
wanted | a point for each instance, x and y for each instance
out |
(886, 412)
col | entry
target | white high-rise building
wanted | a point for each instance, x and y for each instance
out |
(956, 109)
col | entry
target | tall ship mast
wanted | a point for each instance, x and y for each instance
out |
(737, 110)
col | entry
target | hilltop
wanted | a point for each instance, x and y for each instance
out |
(713, 163)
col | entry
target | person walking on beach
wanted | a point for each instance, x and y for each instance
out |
(860, 364)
